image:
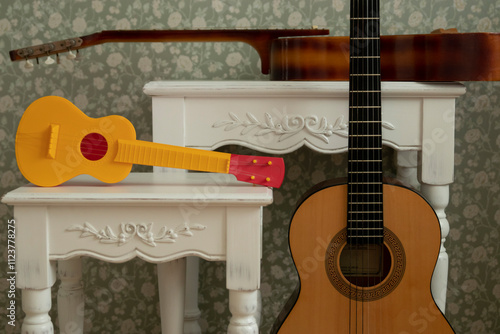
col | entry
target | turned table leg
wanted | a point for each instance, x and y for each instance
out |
(192, 313)
(172, 287)
(243, 268)
(243, 306)
(70, 298)
(36, 305)
(438, 196)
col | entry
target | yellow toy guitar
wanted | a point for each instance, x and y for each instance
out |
(55, 142)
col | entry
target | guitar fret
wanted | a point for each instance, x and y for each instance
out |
(367, 172)
(377, 160)
(364, 91)
(364, 121)
(366, 148)
(365, 18)
(365, 202)
(361, 38)
(365, 57)
(374, 135)
(365, 212)
(366, 220)
(364, 107)
(364, 74)
(366, 228)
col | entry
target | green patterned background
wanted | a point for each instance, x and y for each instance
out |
(109, 79)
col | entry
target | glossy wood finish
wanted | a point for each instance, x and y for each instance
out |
(320, 308)
(426, 57)
(260, 39)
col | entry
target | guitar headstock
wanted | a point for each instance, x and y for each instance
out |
(260, 170)
(46, 50)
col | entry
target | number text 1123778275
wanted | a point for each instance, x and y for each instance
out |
(11, 271)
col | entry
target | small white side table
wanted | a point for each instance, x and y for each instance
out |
(278, 117)
(161, 218)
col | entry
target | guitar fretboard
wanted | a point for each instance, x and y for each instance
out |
(162, 155)
(365, 212)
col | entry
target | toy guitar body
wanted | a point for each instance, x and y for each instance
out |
(55, 142)
(342, 290)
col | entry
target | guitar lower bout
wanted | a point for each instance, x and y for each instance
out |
(370, 288)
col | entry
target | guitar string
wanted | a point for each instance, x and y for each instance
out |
(371, 125)
(351, 125)
(366, 177)
(358, 157)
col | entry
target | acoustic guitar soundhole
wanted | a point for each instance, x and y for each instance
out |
(365, 272)
(94, 146)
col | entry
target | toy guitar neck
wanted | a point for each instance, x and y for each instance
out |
(55, 142)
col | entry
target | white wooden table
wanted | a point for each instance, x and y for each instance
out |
(278, 117)
(161, 218)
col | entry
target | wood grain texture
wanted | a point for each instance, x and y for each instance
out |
(424, 57)
(320, 308)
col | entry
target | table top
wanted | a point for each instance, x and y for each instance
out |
(145, 189)
(260, 89)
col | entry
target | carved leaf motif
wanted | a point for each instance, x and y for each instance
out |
(232, 126)
(129, 231)
(109, 232)
(388, 125)
(198, 227)
(186, 232)
(222, 123)
(234, 117)
(252, 118)
(269, 120)
(285, 127)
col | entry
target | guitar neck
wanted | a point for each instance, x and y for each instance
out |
(365, 217)
(266, 171)
(162, 155)
(260, 39)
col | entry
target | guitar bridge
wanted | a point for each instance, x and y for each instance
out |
(53, 137)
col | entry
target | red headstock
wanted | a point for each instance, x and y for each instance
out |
(256, 169)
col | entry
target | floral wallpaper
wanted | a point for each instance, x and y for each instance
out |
(123, 298)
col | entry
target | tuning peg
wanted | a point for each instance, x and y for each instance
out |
(71, 55)
(78, 55)
(28, 64)
(49, 61)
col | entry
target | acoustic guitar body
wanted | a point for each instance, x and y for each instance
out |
(395, 300)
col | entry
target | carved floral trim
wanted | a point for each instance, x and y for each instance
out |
(288, 126)
(129, 231)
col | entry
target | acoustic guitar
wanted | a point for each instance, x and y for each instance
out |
(55, 142)
(304, 54)
(365, 251)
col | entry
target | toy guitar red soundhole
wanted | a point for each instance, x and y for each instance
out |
(365, 251)
(55, 142)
